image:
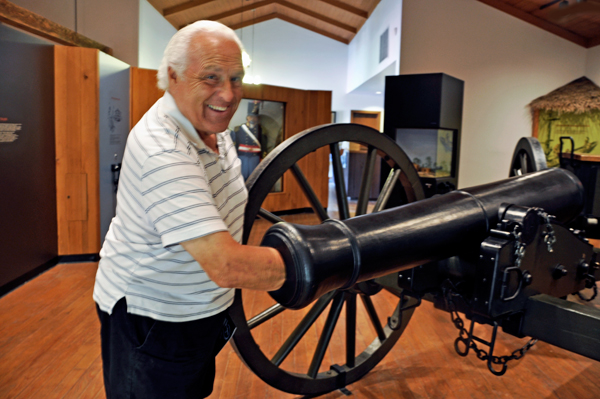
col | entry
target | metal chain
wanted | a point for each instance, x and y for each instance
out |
(463, 335)
(594, 290)
(549, 237)
(519, 245)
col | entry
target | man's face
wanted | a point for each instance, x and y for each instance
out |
(210, 89)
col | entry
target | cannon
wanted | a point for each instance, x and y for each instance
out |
(502, 254)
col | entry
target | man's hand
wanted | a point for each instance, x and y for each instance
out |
(232, 265)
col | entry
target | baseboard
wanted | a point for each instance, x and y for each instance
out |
(81, 258)
(8, 287)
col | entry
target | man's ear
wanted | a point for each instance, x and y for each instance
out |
(172, 75)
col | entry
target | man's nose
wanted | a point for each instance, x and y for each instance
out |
(227, 93)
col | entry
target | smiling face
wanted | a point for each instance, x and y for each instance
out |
(210, 89)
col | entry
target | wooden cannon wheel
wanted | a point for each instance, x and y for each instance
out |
(317, 350)
(528, 157)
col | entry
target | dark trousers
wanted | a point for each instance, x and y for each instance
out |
(146, 358)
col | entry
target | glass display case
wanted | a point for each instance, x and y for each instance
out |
(430, 150)
(256, 129)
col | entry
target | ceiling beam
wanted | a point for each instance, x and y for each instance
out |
(184, 6)
(238, 10)
(312, 28)
(253, 21)
(313, 14)
(540, 23)
(593, 42)
(21, 18)
(289, 5)
(348, 7)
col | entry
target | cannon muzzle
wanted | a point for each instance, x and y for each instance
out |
(337, 254)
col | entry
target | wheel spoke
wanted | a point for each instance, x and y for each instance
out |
(332, 317)
(340, 183)
(350, 329)
(373, 317)
(387, 189)
(302, 328)
(524, 163)
(310, 193)
(265, 316)
(365, 184)
(268, 216)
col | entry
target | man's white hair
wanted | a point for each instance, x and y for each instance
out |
(176, 54)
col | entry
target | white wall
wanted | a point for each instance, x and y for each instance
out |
(287, 55)
(363, 51)
(113, 23)
(592, 65)
(505, 64)
(154, 33)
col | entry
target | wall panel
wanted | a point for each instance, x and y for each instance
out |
(143, 93)
(76, 126)
(28, 239)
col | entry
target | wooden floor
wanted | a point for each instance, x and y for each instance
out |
(49, 348)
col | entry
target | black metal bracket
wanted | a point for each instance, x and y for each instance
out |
(115, 168)
(505, 283)
(395, 321)
(340, 378)
(562, 138)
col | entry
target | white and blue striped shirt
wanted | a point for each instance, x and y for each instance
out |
(172, 188)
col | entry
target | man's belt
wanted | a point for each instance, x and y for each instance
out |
(254, 149)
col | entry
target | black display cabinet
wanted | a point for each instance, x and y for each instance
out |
(423, 115)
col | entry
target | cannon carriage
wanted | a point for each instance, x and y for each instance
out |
(501, 254)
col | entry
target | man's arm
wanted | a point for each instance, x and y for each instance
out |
(232, 265)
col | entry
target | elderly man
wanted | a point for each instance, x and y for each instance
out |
(172, 255)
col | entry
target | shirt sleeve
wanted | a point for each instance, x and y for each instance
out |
(177, 198)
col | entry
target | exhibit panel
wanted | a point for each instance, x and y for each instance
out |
(28, 235)
(114, 129)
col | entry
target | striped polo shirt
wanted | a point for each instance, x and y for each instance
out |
(172, 188)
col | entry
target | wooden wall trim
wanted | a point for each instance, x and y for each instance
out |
(24, 19)
(536, 123)
(76, 96)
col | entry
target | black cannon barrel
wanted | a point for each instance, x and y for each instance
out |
(338, 254)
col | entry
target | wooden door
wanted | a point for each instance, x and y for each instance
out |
(367, 118)
(358, 155)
